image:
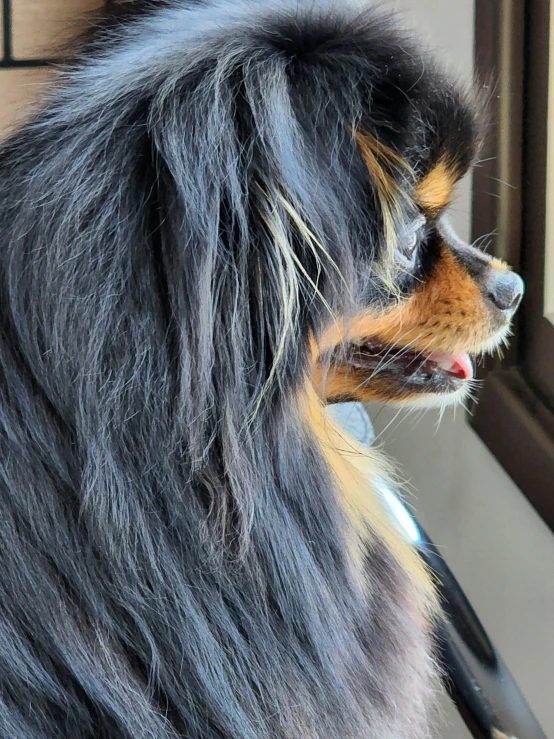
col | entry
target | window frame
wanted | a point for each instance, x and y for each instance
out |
(515, 413)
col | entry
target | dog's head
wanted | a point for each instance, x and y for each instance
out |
(413, 334)
(332, 146)
(409, 302)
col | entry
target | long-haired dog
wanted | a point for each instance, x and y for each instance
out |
(226, 215)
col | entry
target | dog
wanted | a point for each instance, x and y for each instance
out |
(225, 216)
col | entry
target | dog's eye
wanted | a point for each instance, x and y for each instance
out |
(410, 240)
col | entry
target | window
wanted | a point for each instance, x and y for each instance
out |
(514, 199)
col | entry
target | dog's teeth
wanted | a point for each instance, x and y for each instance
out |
(459, 365)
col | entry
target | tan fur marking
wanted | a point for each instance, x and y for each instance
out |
(499, 264)
(449, 307)
(434, 192)
(446, 314)
(385, 168)
(356, 470)
(382, 163)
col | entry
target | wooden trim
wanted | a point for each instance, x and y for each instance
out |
(537, 342)
(515, 413)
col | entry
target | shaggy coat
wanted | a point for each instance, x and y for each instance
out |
(188, 547)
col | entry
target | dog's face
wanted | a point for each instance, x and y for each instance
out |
(444, 302)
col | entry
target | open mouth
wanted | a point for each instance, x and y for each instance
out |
(410, 370)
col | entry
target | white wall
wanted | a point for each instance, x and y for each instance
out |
(495, 543)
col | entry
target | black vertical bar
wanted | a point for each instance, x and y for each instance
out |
(7, 28)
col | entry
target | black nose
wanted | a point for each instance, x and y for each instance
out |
(505, 289)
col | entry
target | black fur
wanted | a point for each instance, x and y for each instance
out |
(172, 550)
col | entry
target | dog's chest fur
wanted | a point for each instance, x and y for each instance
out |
(401, 601)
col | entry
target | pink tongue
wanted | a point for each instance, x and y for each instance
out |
(458, 365)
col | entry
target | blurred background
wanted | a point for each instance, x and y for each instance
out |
(484, 486)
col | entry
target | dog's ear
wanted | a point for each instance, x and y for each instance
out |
(248, 215)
